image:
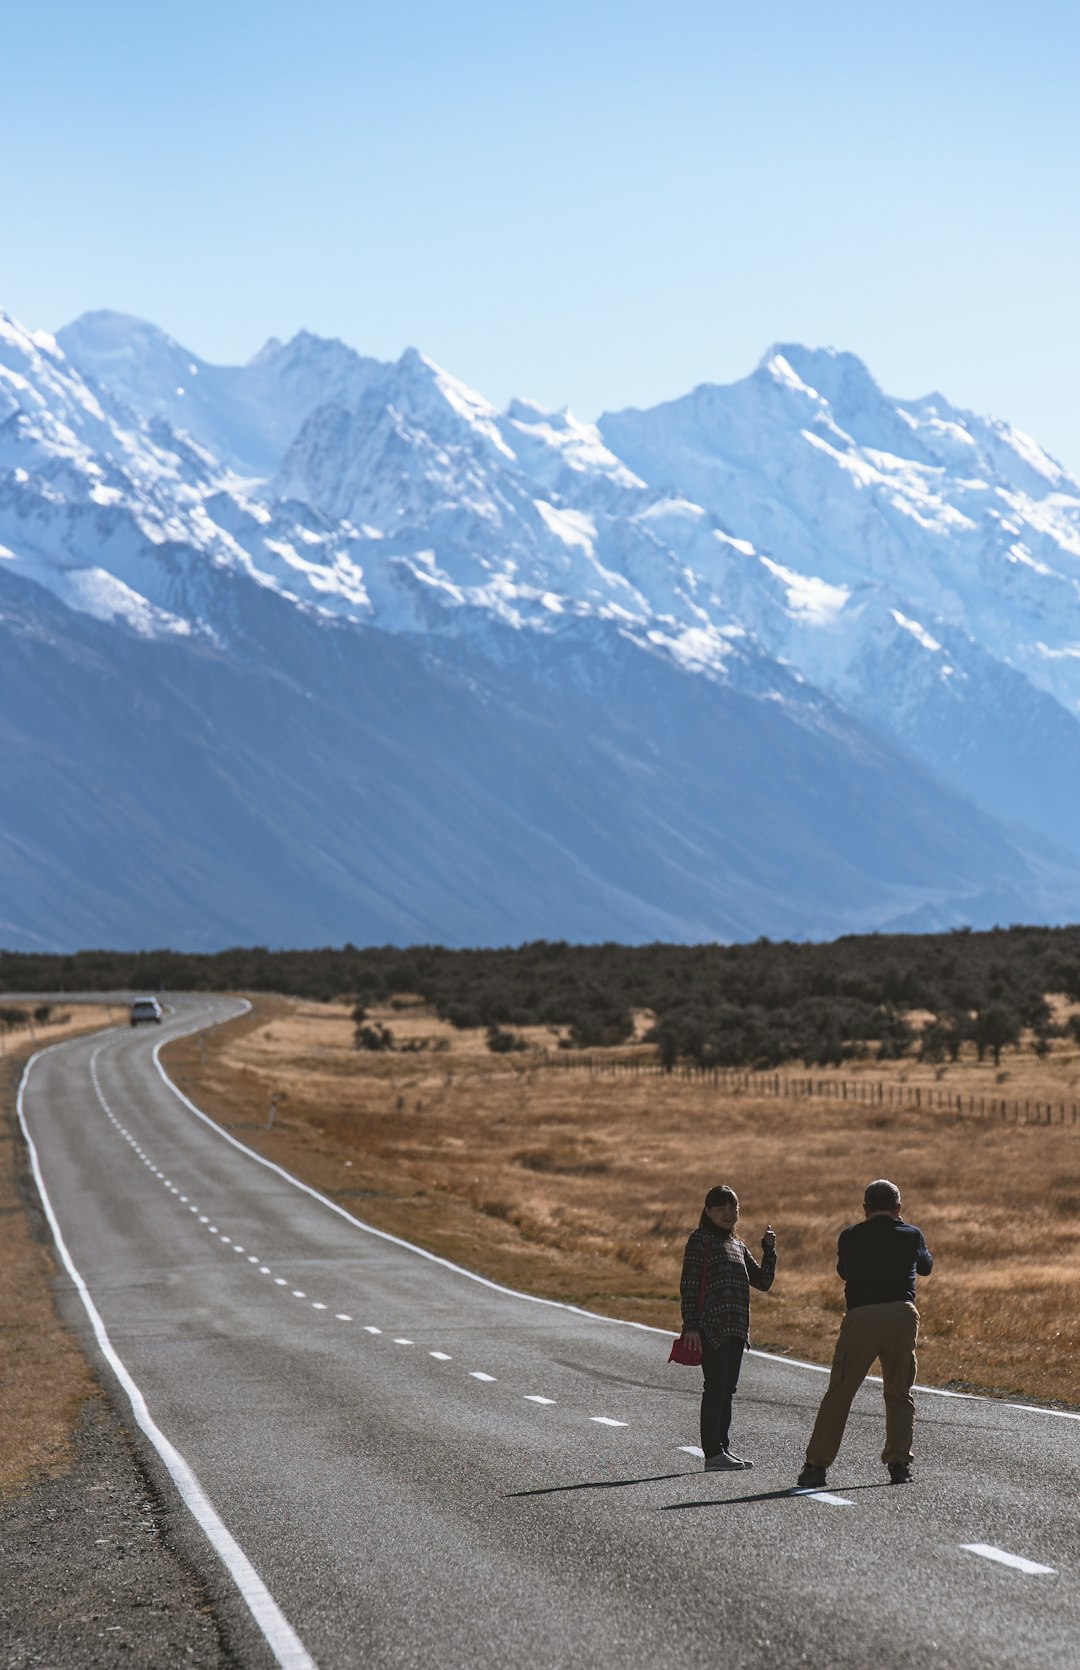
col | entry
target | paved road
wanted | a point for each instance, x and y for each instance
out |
(401, 1465)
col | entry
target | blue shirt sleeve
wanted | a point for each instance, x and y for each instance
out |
(924, 1258)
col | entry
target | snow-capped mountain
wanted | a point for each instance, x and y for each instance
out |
(782, 657)
(245, 415)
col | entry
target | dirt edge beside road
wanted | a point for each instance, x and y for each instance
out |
(89, 1577)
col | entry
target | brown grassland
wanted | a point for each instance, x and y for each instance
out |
(44, 1378)
(583, 1187)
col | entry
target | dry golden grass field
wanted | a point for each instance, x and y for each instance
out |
(584, 1187)
(44, 1378)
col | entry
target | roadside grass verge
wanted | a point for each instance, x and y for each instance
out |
(44, 1377)
(584, 1188)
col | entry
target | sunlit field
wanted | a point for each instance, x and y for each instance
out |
(584, 1186)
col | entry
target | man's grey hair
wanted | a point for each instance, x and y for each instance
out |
(881, 1196)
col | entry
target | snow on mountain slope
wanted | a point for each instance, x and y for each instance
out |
(123, 516)
(246, 415)
(853, 565)
(958, 520)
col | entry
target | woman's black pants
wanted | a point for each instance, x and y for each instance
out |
(720, 1365)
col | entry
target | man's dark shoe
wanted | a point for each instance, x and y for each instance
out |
(899, 1472)
(812, 1478)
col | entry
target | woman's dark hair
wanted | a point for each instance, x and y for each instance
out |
(721, 1196)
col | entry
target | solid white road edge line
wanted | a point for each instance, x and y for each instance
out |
(1030, 1568)
(485, 1281)
(281, 1638)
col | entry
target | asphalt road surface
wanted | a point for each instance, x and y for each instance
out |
(379, 1460)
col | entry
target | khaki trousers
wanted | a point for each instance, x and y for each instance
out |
(869, 1332)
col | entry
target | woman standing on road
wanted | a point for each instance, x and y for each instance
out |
(718, 1272)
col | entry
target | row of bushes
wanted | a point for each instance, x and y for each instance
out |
(12, 1018)
(734, 1004)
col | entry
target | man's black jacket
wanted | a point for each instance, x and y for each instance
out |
(879, 1260)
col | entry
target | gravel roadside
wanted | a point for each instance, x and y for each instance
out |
(89, 1578)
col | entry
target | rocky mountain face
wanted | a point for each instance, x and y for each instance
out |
(320, 648)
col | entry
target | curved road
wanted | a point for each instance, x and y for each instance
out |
(380, 1460)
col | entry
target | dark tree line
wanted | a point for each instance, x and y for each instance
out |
(734, 1005)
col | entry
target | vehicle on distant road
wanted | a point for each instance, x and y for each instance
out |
(146, 1009)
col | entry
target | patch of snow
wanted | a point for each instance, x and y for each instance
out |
(919, 633)
(573, 527)
(810, 600)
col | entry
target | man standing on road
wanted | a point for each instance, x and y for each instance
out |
(878, 1260)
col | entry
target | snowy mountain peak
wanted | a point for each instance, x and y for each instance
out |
(791, 568)
(833, 373)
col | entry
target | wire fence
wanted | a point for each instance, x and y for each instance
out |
(859, 1092)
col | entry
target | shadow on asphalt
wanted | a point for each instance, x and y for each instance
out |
(598, 1484)
(776, 1496)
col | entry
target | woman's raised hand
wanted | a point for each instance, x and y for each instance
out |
(768, 1240)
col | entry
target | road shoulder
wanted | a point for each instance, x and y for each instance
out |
(89, 1575)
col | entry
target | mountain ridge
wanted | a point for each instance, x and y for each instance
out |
(753, 552)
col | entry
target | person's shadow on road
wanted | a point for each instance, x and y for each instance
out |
(599, 1484)
(773, 1496)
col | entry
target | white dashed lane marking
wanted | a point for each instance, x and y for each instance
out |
(1030, 1568)
(316, 1304)
(826, 1496)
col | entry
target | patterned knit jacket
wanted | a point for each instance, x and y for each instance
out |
(730, 1272)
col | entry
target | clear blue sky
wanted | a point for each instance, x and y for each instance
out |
(598, 203)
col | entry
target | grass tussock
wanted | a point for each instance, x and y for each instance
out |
(584, 1188)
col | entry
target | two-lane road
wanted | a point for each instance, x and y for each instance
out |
(384, 1461)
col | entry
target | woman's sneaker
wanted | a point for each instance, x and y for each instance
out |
(724, 1462)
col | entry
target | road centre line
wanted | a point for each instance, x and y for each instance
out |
(282, 1639)
(1030, 1568)
(824, 1496)
(476, 1374)
(441, 1356)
